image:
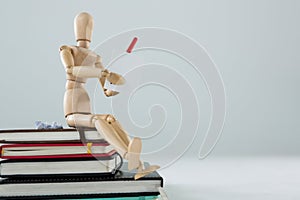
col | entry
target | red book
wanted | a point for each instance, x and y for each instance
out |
(56, 150)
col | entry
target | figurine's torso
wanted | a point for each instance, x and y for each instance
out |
(76, 97)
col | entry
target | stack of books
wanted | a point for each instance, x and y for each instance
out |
(67, 164)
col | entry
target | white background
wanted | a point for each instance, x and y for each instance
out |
(255, 45)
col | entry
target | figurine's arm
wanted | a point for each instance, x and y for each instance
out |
(106, 75)
(98, 63)
(102, 79)
(112, 77)
(79, 71)
(66, 57)
(90, 72)
(85, 72)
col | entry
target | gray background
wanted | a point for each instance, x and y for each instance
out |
(254, 43)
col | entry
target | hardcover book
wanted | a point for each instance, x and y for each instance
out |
(55, 150)
(100, 166)
(122, 184)
(49, 135)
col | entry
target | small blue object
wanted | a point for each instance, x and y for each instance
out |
(45, 125)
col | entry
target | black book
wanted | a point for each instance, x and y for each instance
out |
(122, 184)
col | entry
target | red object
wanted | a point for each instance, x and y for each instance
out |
(100, 155)
(85, 155)
(132, 44)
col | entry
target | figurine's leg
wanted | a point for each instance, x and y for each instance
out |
(80, 120)
(114, 134)
(134, 146)
(110, 135)
(98, 122)
(112, 122)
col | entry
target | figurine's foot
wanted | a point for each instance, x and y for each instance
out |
(143, 172)
(133, 155)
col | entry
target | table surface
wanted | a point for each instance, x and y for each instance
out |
(233, 178)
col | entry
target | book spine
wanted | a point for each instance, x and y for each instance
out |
(52, 145)
(87, 155)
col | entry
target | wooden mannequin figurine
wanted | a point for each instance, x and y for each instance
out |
(80, 64)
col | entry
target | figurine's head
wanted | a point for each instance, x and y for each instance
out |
(83, 27)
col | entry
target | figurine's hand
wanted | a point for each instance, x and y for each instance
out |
(112, 77)
(110, 93)
(115, 78)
